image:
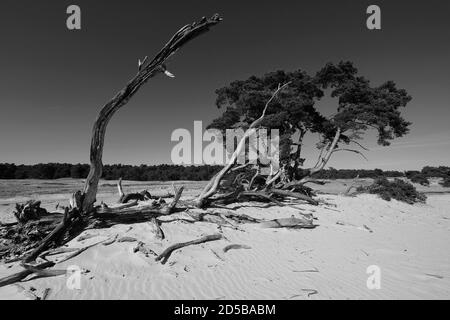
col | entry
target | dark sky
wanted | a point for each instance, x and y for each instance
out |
(54, 81)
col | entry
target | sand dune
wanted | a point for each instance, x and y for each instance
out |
(410, 244)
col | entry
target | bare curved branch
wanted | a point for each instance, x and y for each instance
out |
(213, 185)
(146, 71)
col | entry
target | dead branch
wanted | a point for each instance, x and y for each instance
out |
(295, 195)
(29, 211)
(352, 150)
(320, 183)
(235, 246)
(143, 248)
(44, 273)
(164, 256)
(360, 145)
(111, 240)
(79, 251)
(159, 233)
(260, 194)
(352, 185)
(321, 161)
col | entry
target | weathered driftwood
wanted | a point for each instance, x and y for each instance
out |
(159, 233)
(220, 218)
(164, 256)
(213, 185)
(78, 252)
(19, 276)
(31, 210)
(106, 216)
(19, 238)
(146, 70)
(244, 188)
(82, 203)
(143, 248)
(68, 219)
(289, 223)
(235, 246)
(111, 240)
(294, 195)
(139, 196)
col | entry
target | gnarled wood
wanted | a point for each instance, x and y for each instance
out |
(82, 203)
(213, 185)
(146, 71)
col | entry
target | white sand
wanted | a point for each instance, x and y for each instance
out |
(410, 244)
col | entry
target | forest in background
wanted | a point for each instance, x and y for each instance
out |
(166, 172)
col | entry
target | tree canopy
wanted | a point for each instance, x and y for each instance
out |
(361, 106)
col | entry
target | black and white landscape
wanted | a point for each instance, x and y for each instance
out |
(224, 150)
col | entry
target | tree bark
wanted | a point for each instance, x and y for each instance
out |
(19, 276)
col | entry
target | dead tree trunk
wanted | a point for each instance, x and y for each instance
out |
(146, 71)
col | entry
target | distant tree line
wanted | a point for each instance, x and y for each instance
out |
(166, 172)
(162, 172)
